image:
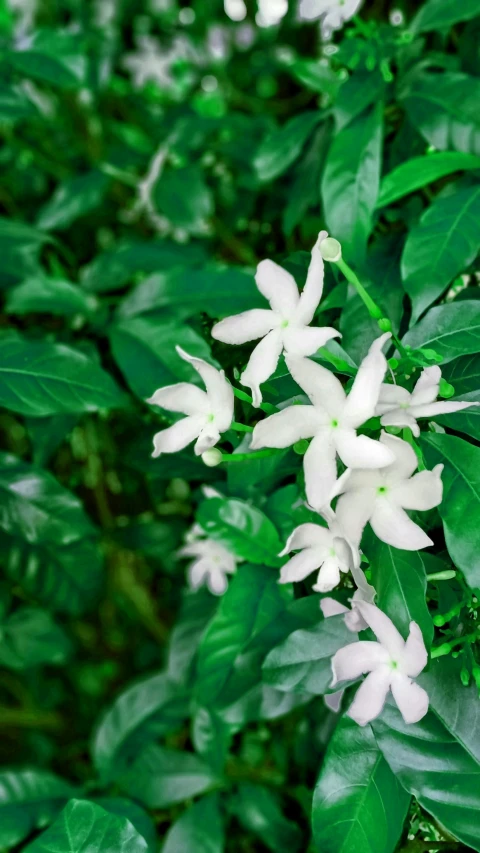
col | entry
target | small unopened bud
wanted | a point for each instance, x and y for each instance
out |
(393, 363)
(445, 390)
(384, 324)
(212, 457)
(301, 446)
(330, 250)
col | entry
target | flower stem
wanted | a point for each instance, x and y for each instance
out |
(255, 454)
(240, 427)
(446, 648)
(241, 395)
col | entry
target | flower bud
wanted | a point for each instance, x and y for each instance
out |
(384, 324)
(301, 447)
(212, 457)
(330, 249)
(445, 389)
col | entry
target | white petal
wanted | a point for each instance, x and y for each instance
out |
(370, 697)
(356, 659)
(312, 292)
(383, 628)
(244, 327)
(217, 581)
(331, 607)
(392, 525)
(422, 491)
(178, 436)
(262, 364)
(400, 418)
(359, 451)
(363, 397)
(333, 701)
(443, 407)
(414, 656)
(305, 340)
(328, 576)
(278, 286)
(412, 700)
(354, 510)
(301, 565)
(426, 389)
(355, 621)
(198, 572)
(320, 468)
(390, 398)
(308, 536)
(207, 439)
(219, 391)
(321, 386)
(364, 591)
(182, 397)
(286, 427)
(405, 459)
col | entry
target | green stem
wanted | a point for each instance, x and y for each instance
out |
(241, 427)
(446, 648)
(266, 407)
(242, 457)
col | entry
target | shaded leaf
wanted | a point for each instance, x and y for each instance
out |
(450, 330)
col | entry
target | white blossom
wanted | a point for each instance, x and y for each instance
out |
(208, 413)
(332, 421)
(335, 13)
(212, 564)
(323, 548)
(392, 663)
(399, 407)
(285, 327)
(381, 498)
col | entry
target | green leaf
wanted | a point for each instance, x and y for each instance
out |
(44, 295)
(113, 269)
(19, 248)
(442, 245)
(139, 819)
(362, 89)
(162, 777)
(46, 69)
(153, 706)
(282, 147)
(144, 349)
(259, 811)
(302, 662)
(442, 14)
(464, 375)
(196, 611)
(14, 104)
(83, 827)
(421, 171)
(316, 76)
(199, 829)
(242, 529)
(303, 191)
(358, 804)
(30, 637)
(40, 378)
(444, 108)
(460, 507)
(73, 199)
(29, 799)
(35, 507)
(184, 198)
(351, 180)
(450, 330)
(211, 737)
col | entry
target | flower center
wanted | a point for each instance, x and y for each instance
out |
(334, 423)
(394, 664)
(382, 490)
(211, 417)
(404, 405)
(284, 324)
(332, 552)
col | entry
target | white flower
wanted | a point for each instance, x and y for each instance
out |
(336, 12)
(212, 564)
(284, 326)
(353, 618)
(381, 497)
(392, 663)
(320, 548)
(399, 407)
(208, 413)
(332, 420)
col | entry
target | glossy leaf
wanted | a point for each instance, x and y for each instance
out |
(183, 197)
(361, 90)
(49, 296)
(259, 810)
(113, 269)
(73, 199)
(450, 330)
(161, 777)
(441, 14)
(464, 375)
(30, 637)
(418, 172)
(279, 150)
(242, 529)
(196, 611)
(139, 818)
(29, 799)
(199, 828)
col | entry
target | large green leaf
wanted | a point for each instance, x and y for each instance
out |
(41, 378)
(14, 104)
(161, 777)
(279, 150)
(243, 529)
(113, 269)
(19, 248)
(199, 828)
(420, 171)
(351, 180)
(464, 375)
(29, 637)
(444, 108)
(450, 330)
(29, 799)
(259, 810)
(443, 244)
(460, 507)
(83, 827)
(137, 816)
(72, 199)
(358, 804)
(196, 611)
(183, 197)
(441, 14)
(49, 296)
(361, 90)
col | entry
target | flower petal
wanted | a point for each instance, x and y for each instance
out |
(179, 435)
(312, 292)
(363, 397)
(400, 418)
(354, 510)
(414, 656)
(405, 459)
(426, 389)
(356, 659)
(262, 364)
(247, 326)
(370, 697)
(320, 468)
(443, 407)
(219, 391)
(321, 386)
(286, 427)
(412, 700)
(422, 491)
(278, 286)
(359, 451)
(308, 536)
(207, 438)
(328, 576)
(384, 629)
(392, 525)
(390, 398)
(332, 607)
(197, 572)
(301, 565)
(333, 701)
(182, 397)
(305, 340)
(217, 580)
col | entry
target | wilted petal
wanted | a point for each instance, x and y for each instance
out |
(301, 565)
(328, 576)
(286, 427)
(308, 536)
(406, 461)
(179, 435)
(412, 700)
(331, 607)
(320, 468)
(207, 439)
(354, 510)
(247, 326)
(391, 396)
(356, 659)
(384, 629)
(219, 391)
(370, 697)
(400, 418)
(278, 286)
(312, 292)
(422, 491)
(182, 397)
(359, 451)
(443, 407)
(333, 701)
(426, 389)
(320, 385)
(414, 655)
(306, 340)
(262, 364)
(392, 525)
(363, 397)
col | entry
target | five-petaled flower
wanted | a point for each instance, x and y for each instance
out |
(212, 564)
(381, 498)
(332, 420)
(392, 663)
(285, 326)
(209, 412)
(399, 407)
(335, 13)
(323, 548)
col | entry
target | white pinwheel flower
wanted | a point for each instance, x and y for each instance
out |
(336, 12)
(285, 326)
(209, 412)
(399, 407)
(392, 663)
(332, 421)
(381, 498)
(353, 618)
(212, 564)
(323, 548)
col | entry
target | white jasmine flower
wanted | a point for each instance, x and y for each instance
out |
(399, 407)
(322, 548)
(353, 618)
(335, 13)
(212, 565)
(392, 663)
(381, 498)
(284, 326)
(209, 412)
(331, 420)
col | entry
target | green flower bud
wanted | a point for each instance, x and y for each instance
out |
(330, 250)
(212, 457)
(384, 324)
(445, 390)
(301, 446)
